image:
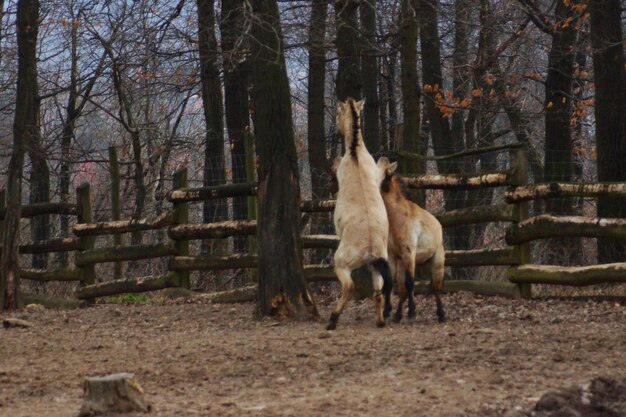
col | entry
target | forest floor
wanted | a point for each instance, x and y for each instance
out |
(493, 357)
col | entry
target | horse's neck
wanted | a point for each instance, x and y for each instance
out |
(350, 138)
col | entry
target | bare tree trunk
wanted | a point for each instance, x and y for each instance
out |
(369, 70)
(440, 132)
(411, 93)
(349, 81)
(316, 104)
(610, 111)
(24, 127)
(281, 277)
(214, 167)
(236, 101)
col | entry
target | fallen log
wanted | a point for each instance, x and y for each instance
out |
(208, 193)
(122, 226)
(123, 286)
(478, 214)
(45, 275)
(320, 241)
(67, 244)
(123, 253)
(482, 257)
(556, 189)
(546, 226)
(52, 302)
(217, 230)
(458, 181)
(577, 276)
(38, 209)
(499, 288)
(192, 263)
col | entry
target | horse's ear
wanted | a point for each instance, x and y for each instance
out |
(383, 162)
(391, 168)
(359, 105)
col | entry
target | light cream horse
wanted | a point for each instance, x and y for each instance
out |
(415, 238)
(360, 216)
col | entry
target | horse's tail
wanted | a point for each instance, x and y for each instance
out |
(356, 127)
(382, 266)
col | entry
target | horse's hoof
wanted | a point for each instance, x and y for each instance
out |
(441, 318)
(397, 318)
(386, 314)
(331, 326)
(380, 324)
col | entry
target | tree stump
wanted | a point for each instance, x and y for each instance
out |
(119, 393)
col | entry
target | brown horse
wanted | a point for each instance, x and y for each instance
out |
(415, 238)
(360, 216)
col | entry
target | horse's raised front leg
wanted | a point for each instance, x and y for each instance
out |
(347, 285)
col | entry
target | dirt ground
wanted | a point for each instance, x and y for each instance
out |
(493, 357)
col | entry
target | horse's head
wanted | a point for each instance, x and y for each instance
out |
(391, 183)
(349, 120)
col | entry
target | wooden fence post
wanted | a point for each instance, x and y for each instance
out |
(519, 158)
(181, 216)
(114, 171)
(250, 158)
(83, 199)
(3, 204)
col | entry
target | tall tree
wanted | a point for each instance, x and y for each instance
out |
(281, 277)
(410, 140)
(369, 72)
(349, 82)
(236, 102)
(610, 111)
(212, 106)
(24, 127)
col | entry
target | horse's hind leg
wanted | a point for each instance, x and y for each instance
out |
(398, 275)
(437, 272)
(383, 283)
(409, 282)
(347, 285)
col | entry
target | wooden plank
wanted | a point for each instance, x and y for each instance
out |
(315, 206)
(192, 263)
(477, 214)
(547, 226)
(123, 226)
(481, 257)
(499, 288)
(319, 273)
(124, 286)
(468, 152)
(208, 193)
(555, 189)
(573, 275)
(38, 209)
(45, 275)
(458, 181)
(217, 230)
(320, 241)
(66, 244)
(123, 253)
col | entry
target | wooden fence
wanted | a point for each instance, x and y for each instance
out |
(516, 255)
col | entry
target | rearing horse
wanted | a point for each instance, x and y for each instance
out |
(415, 237)
(360, 216)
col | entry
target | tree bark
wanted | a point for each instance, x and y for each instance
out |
(610, 111)
(24, 127)
(316, 103)
(410, 141)
(278, 229)
(236, 103)
(349, 81)
(369, 72)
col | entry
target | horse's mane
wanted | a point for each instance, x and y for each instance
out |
(385, 186)
(355, 129)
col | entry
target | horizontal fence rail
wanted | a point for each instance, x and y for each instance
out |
(554, 189)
